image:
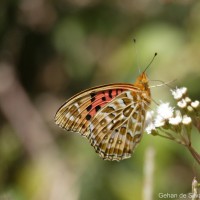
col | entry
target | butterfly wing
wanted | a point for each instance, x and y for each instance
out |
(110, 116)
(75, 113)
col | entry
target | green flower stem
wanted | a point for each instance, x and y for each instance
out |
(195, 155)
(168, 134)
(166, 137)
(184, 141)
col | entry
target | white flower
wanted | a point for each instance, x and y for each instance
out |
(165, 111)
(149, 122)
(186, 120)
(177, 119)
(159, 121)
(182, 103)
(149, 117)
(151, 127)
(195, 104)
(179, 92)
(190, 109)
(183, 90)
(187, 100)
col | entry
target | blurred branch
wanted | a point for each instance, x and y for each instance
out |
(148, 173)
(35, 137)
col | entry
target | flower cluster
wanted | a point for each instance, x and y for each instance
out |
(170, 118)
(167, 121)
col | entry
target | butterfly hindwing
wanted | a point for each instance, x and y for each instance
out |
(115, 131)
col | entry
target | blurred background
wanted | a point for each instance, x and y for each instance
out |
(50, 50)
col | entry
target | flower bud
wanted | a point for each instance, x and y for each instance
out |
(186, 120)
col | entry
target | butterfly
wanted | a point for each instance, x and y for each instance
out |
(110, 116)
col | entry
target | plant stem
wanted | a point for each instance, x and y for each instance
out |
(194, 153)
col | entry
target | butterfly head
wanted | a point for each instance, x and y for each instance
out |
(142, 81)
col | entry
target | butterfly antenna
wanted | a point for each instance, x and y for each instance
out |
(163, 83)
(136, 53)
(150, 62)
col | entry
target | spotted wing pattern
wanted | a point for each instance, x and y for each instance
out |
(75, 114)
(117, 129)
(111, 117)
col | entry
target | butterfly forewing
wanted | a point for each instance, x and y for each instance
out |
(111, 117)
(76, 112)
